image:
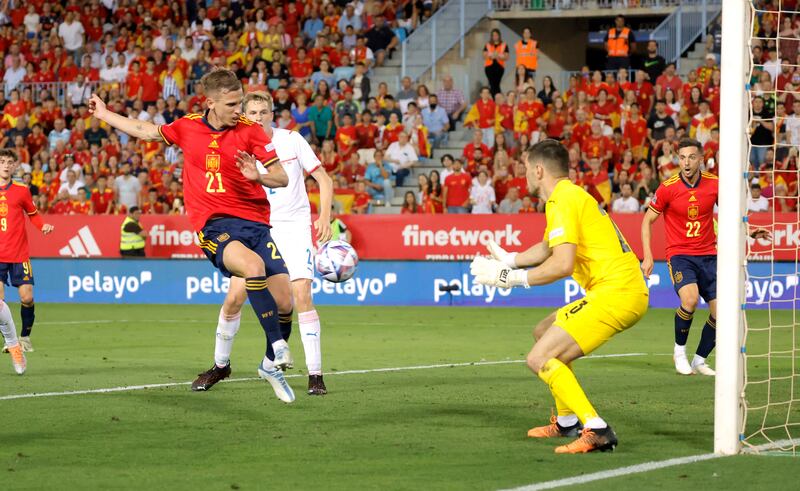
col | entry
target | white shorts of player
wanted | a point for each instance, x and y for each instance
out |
(295, 245)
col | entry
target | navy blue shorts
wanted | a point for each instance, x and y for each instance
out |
(16, 274)
(701, 270)
(220, 232)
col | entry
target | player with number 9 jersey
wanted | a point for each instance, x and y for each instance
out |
(213, 185)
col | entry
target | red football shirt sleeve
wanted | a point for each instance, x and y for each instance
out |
(660, 200)
(30, 209)
(171, 133)
(262, 147)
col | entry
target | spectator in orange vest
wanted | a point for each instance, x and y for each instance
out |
(495, 54)
(526, 51)
(619, 44)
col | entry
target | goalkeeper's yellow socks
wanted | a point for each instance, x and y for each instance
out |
(565, 387)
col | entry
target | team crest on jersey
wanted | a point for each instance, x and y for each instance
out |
(678, 277)
(3, 209)
(694, 212)
(223, 237)
(212, 162)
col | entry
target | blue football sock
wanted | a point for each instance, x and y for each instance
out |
(708, 339)
(683, 321)
(266, 309)
(26, 312)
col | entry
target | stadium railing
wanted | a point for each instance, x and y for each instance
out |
(60, 90)
(430, 41)
(683, 26)
(503, 5)
(565, 75)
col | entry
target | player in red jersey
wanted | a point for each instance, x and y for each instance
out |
(224, 199)
(15, 266)
(687, 202)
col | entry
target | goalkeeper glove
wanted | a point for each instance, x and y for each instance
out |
(493, 272)
(497, 252)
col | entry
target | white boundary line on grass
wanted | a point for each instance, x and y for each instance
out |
(644, 467)
(248, 379)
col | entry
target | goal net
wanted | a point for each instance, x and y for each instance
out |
(767, 365)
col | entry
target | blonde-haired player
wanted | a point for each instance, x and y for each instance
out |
(290, 218)
(580, 241)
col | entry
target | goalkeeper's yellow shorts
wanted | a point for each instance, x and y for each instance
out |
(592, 320)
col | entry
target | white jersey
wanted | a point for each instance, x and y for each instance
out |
(290, 204)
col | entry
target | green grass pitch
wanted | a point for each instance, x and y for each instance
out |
(460, 427)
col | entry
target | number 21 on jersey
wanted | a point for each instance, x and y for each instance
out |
(213, 175)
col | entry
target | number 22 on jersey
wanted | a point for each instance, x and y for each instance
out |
(693, 229)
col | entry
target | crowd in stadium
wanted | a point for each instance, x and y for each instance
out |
(145, 57)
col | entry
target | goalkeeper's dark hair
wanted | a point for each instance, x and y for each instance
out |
(690, 142)
(552, 155)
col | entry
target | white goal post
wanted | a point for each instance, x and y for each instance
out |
(735, 66)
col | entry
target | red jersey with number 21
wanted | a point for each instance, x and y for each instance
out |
(213, 185)
(688, 214)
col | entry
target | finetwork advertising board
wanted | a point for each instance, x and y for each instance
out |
(381, 237)
(159, 281)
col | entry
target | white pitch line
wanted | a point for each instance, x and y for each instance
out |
(644, 467)
(249, 379)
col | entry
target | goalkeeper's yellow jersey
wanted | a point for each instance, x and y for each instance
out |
(604, 260)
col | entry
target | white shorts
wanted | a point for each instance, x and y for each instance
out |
(295, 245)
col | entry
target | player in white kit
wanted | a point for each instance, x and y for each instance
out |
(290, 219)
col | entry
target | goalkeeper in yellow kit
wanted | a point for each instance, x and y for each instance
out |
(580, 241)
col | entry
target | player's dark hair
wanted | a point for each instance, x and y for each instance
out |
(552, 155)
(690, 142)
(220, 80)
(8, 153)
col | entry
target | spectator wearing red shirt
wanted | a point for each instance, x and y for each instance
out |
(643, 90)
(603, 108)
(475, 144)
(367, 132)
(597, 184)
(456, 189)
(62, 206)
(669, 80)
(102, 197)
(37, 140)
(581, 129)
(532, 109)
(635, 133)
(596, 145)
(153, 206)
(346, 138)
(133, 81)
(361, 199)
(486, 116)
(518, 180)
(68, 72)
(352, 170)
(82, 206)
(300, 67)
(151, 88)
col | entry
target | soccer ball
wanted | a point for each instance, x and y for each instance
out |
(336, 261)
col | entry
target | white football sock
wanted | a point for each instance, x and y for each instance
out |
(596, 423)
(680, 350)
(310, 334)
(698, 360)
(7, 326)
(567, 421)
(227, 327)
(267, 364)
